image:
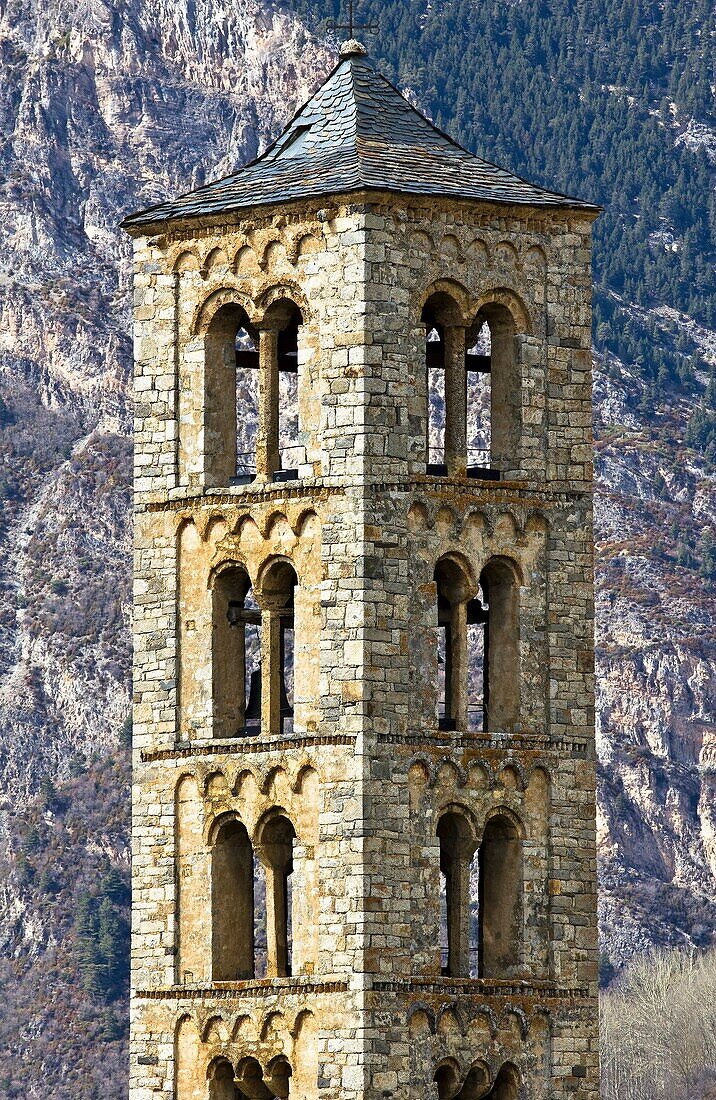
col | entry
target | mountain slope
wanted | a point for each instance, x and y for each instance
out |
(104, 106)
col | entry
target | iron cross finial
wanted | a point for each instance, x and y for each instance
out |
(351, 26)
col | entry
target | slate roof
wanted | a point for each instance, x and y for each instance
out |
(356, 133)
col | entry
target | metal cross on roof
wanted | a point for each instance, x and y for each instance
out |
(351, 26)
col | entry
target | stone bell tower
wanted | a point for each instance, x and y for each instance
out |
(363, 820)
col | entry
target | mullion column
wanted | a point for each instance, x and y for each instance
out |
(458, 669)
(271, 671)
(455, 401)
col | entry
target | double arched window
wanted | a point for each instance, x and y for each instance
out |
(251, 396)
(478, 645)
(252, 899)
(481, 886)
(253, 650)
(473, 390)
(249, 1080)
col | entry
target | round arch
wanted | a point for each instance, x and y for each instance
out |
(451, 290)
(216, 824)
(274, 581)
(454, 571)
(507, 814)
(286, 293)
(222, 298)
(490, 302)
(227, 565)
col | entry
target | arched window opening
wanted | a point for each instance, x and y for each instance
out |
(276, 850)
(453, 590)
(253, 1084)
(478, 367)
(474, 914)
(247, 406)
(291, 454)
(235, 654)
(447, 1081)
(445, 386)
(221, 1080)
(435, 366)
(507, 1084)
(230, 398)
(232, 904)
(456, 849)
(280, 452)
(500, 899)
(501, 677)
(477, 632)
(277, 647)
(494, 394)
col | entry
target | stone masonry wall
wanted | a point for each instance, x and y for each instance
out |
(365, 773)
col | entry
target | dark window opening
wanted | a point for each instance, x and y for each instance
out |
(277, 591)
(447, 1078)
(232, 904)
(506, 1086)
(501, 660)
(478, 364)
(278, 839)
(221, 1081)
(477, 683)
(453, 587)
(230, 399)
(456, 849)
(500, 879)
(252, 1083)
(235, 654)
(435, 367)
(251, 618)
(290, 453)
(494, 418)
(247, 407)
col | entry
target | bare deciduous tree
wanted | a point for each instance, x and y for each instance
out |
(658, 1029)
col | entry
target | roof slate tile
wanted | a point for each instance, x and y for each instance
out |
(357, 132)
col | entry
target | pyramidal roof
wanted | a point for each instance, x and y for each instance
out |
(357, 132)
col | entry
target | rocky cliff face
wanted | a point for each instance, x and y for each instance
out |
(656, 673)
(108, 105)
(104, 107)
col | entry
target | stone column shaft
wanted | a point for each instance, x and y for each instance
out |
(455, 401)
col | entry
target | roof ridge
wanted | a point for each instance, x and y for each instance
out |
(419, 113)
(295, 117)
